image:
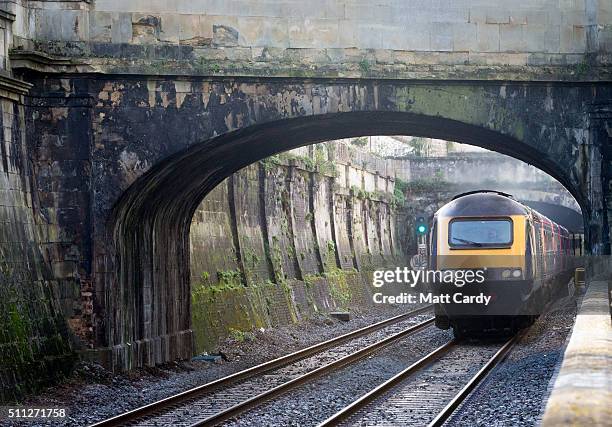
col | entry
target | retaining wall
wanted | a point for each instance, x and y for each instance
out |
(288, 237)
(34, 346)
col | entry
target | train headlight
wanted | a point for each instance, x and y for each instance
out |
(506, 273)
(516, 273)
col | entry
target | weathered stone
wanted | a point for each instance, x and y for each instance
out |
(225, 36)
(34, 341)
(140, 126)
(344, 316)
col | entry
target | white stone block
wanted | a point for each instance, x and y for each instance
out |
(312, 10)
(552, 39)
(535, 38)
(572, 39)
(417, 37)
(394, 38)
(370, 36)
(605, 38)
(170, 26)
(261, 9)
(304, 33)
(571, 5)
(604, 13)
(489, 15)
(465, 36)
(192, 27)
(529, 17)
(145, 6)
(511, 38)
(488, 37)
(441, 37)
(259, 31)
(574, 18)
(378, 14)
(100, 26)
(499, 58)
(121, 27)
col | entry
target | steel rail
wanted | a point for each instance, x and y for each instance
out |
(381, 389)
(460, 397)
(441, 418)
(255, 401)
(168, 402)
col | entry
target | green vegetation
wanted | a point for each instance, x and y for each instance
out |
(360, 142)
(241, 336)
(427, 185)
(329, 258)
(17, 325)
(251, 260)
(583, 68)
(229, 278)
(401, 185)
(319, 162)
(358, 192)
(270, 162)
(419, 146)
(365, 66)
(339, 287)
(399, 193)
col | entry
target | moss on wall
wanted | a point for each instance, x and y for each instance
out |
(287, 265)
(35, 348)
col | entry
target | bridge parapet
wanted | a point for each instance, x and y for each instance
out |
(541, 40)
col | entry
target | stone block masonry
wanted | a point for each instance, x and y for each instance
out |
(139, 108)
(35, 348)
(581, 393)
(138, 154)
(468, 39)
(288, 237)
(270, 243)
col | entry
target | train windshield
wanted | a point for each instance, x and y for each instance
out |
(476, 233)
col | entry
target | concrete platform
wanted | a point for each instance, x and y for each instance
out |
(582, 393)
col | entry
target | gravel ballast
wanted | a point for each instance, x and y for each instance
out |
(92, 393)
(513, 394)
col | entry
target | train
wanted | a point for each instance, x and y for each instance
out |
(519, 259)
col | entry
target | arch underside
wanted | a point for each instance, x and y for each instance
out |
(150, 303)
(567, 217)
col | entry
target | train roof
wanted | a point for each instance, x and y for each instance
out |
(492, 203)
(483, 203)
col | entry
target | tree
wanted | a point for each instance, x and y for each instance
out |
(419, 146)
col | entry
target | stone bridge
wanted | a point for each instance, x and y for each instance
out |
(126, 113)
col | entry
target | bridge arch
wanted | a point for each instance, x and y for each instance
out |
(179, 138)
(149, 304)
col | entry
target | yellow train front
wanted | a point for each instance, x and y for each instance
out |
(515, 258)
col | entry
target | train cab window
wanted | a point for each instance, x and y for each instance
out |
(467, 233)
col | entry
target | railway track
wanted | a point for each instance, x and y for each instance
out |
(219, 400)
(429, 399)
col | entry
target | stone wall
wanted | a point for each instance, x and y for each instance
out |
(287, 222)
(331, 38)
(430, 182)
(288, 237)
(468, 171)
(34, 340)
(136, 156)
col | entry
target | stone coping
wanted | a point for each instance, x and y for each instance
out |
(582, 393)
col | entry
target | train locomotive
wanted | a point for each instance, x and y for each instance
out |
(524, 259)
